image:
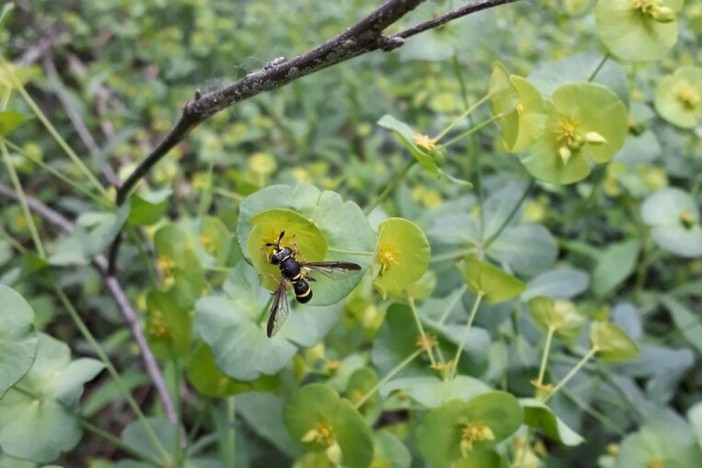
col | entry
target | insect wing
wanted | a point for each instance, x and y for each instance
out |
(332, 269)
(279, 309)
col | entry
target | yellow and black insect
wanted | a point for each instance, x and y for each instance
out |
(296, 272)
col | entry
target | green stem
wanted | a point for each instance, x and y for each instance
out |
(572, 373)
(544, 358)
(471, 317)
(117, 442)
(206, 198)
(471, 130)
(511, 215)
(599, 67)
(395, 370)
(50, 128)
(230, 448)
(420, 328)
(390, 186)
(458, 295)
(124, 388)
(462, 116)
(23, 202)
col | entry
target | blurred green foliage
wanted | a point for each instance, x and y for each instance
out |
(392, 379)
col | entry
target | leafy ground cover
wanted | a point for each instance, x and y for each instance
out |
(520, 189)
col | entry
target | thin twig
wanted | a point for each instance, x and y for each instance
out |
(365, 36)
(120, 297)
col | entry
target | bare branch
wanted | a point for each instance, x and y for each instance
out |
(120, 297)
(450, 16)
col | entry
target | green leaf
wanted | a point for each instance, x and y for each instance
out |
(316, 408)
(559, 283)
(407, 137)
(539, 416)
(614, 266)
(679, 97)
(148, 208)
(587, 124)
(9, 120)
(93, 232)
(686, 321)
(492, 282)
(637, 34)
(402, 255)
(389, 451)
(136, 436)
(442, 435)
(343, 227)
(264, 415)
(18, 338)
(661, 440)
(207, 379)
(360, 383)
(181, 269)
(41, 421)
(168, 327)
(612, 343)
(561, 316)
(5, 12)
(675, 222)
(431, 392)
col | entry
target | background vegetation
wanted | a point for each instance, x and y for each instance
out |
(521, 188)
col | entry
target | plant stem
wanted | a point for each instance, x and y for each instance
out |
(388, 377)
(458, 295)
(461, 117)
(117, 442)
(572, 372)
(471, 130)
(420, 328)
(471, 317)
(544, 358)
(230, 447)
(599, 67)
(166, 458)
(509, 217)
(23, 202)
(390, 186)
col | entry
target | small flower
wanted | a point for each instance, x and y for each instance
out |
(474, 431)
(424, 142)
(322, 434)
(427, 341)
(388, 255)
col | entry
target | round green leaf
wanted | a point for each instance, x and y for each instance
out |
(561, 315)
(492, 282)
(316, 417)
(431, 392)
(612, 343)
(559, 283)
(614, 266)
(441, 436)
(41, 421)
(636, 33)
(18, 338)
(679, 97)
(148, 207)
(587, 124)
(675, 222)
(402, 255)
(342, 225)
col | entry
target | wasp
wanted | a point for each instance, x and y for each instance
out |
(296, 272)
